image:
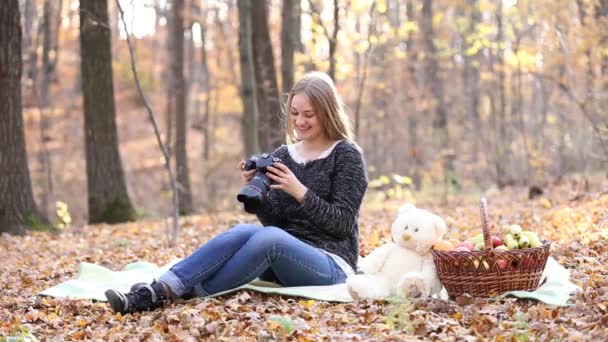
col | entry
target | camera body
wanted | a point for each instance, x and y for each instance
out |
(254, 192)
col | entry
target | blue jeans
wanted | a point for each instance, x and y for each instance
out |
(245, 252)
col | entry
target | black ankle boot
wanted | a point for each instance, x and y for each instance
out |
(142, 297)
(186, 296)
(137, 286)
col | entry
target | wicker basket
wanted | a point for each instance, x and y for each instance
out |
(488, 273)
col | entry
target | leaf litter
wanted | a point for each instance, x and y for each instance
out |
(578, 229)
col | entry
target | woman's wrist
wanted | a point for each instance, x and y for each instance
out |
(301, 194)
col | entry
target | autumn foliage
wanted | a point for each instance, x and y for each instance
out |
(576, 223)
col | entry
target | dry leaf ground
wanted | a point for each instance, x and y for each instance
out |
(577, 225)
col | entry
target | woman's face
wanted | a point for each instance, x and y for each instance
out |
(304, 119)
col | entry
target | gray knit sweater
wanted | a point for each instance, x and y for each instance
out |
(327, 218)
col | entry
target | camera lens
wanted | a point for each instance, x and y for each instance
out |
(254, 192)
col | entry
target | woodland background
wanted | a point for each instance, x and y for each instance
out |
(451, 100)
(446, 96)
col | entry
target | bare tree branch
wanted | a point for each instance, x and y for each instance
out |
(315, 13)
(582, 106)
(332, 38)
(569, 91)
(368, 52)
(156, 131)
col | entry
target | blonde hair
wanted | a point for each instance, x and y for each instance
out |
(326, 103)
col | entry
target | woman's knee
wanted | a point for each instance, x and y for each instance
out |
(269, 237)
(245, 229)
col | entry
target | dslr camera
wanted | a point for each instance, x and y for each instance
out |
(254, 192)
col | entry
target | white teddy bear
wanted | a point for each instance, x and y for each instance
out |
(404, 265)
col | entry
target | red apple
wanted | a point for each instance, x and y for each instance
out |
(526, 261)
(496, 241)
(468, 245)
(502, 264)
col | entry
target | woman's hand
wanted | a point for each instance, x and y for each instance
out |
(246, 176)
(285, 180)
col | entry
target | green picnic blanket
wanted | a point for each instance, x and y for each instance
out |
(93, 280)
(555, 290)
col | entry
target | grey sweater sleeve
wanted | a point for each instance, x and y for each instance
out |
(269, 215)
(338, 215)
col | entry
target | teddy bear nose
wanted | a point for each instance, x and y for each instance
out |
(406, 236)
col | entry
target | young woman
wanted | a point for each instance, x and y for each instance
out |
(309, 234)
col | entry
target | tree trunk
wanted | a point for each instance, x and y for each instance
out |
(517, 110)
(44, 103)
(393, 12)
(297, 27)
(158, 14)
(206, 85)
(589, 75)
(191, 67)
(588, 98)
(501, 144)
(107, 193)
(181, 133)
(540, 101)
(601, 13)
(34, 40)
(249, 93)
(170, 83)
(333, 41)
(29, 18)
(202, 81)
(115, 25)
(415, 146)
(440, 120)
(288, 43)
(471, 76)
(58, 9)
(226, 44)
(271, 132)
(363, 63)
(17, 206)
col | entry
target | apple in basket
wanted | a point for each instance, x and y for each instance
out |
(454, 242)
(502, 264)
(496, 241)
(526, 262)
(468, 245)
(443, 245)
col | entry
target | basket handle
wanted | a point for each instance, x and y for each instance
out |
(487, 239)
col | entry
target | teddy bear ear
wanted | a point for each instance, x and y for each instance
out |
(406, 207)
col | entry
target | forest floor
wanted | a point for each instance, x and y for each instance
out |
(575, 222)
